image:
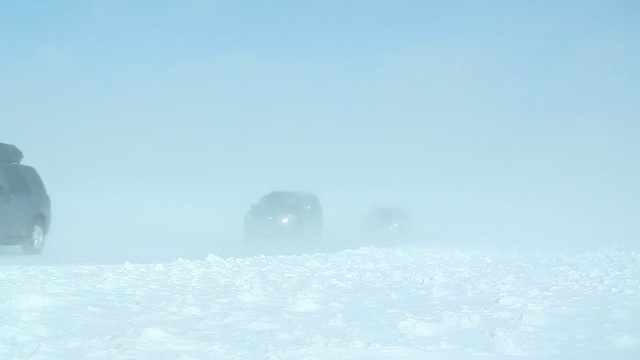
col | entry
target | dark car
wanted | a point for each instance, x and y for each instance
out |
(387, 224)
(284, 215)
(25, 212)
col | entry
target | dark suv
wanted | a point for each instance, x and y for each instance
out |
(284, 215)
(387, 224)
(24, 203)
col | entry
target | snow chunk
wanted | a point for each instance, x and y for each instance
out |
(533, 318)
(256, 293)
(337, 321)
(261, 326)
(501, 343)
(624, 341)
(158, 267)
(218, 261)
(417, 328)
(128, 266)
(192, 310)
(304, 305)
(507, 300)
(153, 333)
(29, 301)
(312, 264)
(457, 320)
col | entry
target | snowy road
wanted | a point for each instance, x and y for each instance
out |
(395, 303)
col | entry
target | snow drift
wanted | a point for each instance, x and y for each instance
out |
(370, 303)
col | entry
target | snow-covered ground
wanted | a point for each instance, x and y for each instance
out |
(367, 303)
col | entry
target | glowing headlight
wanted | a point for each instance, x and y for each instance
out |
(285, 220)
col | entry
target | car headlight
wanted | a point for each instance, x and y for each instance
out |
(287, 219)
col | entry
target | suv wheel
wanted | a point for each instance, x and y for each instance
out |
(35, 242)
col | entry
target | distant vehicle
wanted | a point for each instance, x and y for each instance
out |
(387, 224)
(25, 207)
(285, 215)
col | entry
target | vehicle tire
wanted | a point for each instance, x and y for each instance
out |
(35, 242)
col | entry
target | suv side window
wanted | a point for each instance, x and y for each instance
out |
(15, 181)
(33, 180)
(3, 185)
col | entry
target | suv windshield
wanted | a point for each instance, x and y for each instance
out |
(286, 202)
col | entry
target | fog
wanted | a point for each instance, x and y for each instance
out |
(155, 127)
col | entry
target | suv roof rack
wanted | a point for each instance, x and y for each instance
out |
(10, 154)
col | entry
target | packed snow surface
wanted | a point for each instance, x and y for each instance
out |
(370, 303)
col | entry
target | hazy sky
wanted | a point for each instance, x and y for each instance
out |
(492, 121)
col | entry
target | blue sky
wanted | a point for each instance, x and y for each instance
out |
(494, 121)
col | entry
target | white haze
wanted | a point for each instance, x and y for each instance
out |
(509, 131)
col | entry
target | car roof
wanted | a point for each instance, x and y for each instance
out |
(289, 197)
